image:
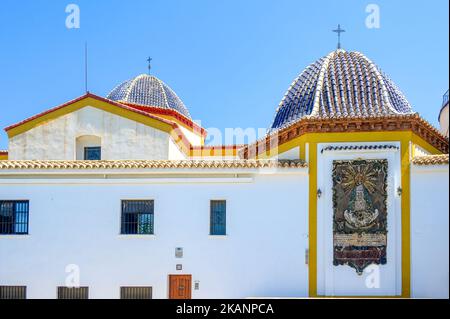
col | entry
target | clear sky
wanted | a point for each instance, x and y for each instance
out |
(229, 61)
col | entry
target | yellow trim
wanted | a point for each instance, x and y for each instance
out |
(312, 218)
(3, 157)
(418, 141)
(406, 217)
(404, 137)
(104, 106)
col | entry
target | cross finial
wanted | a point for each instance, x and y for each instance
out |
(339, 31)
(149, 60)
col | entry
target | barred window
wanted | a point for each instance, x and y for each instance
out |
(93, 153)
(218, 217)
(13, 292)
(13, 217)
(73, 293)
(135, 292)
(137, 217)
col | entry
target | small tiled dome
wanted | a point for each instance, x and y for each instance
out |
(148, 90)
(342, 84)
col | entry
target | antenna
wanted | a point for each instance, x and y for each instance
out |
(86, 67)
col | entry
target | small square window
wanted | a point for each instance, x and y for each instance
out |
(14, 217)
(93, 153)
(137, 217)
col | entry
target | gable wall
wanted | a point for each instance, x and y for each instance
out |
(121, 138)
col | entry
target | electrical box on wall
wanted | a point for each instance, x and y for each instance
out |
(179, 252)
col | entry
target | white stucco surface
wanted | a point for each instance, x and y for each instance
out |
(194, 138)
(429, 232)
(77, 221)
(121, 138)
(342, 280)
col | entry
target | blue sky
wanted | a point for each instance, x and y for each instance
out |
(230, 61)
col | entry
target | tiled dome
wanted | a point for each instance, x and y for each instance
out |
(342, 84)
(148, 90)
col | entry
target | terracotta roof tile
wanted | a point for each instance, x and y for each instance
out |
(151, 164)
(431, 160)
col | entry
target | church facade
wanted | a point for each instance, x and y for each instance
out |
(118, 197)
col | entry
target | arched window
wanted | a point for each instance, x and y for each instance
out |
(89, 147)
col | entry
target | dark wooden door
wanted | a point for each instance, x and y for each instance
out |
(180, 286)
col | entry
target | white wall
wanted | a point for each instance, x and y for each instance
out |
(175, 153)
(193, 138)
(343, 280)
(121, 138)
(429, 232)
(78, 222)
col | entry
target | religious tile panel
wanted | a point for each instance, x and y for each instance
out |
(359, 213)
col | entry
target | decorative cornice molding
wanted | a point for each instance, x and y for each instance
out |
(388, 123)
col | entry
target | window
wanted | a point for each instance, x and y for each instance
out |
(13, 292)
(88, 147)
(137, 217)
(218, 218)
(13, 217)
(135, 292)
(92, 153)
(73, 293)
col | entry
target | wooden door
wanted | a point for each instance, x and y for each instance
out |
(180, 286)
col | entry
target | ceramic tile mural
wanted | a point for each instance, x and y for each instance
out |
(360, 213)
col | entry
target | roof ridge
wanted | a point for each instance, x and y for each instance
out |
(318, 93)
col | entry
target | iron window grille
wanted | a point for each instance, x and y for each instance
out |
(13, 292)
(14, 217)
(218, 217)
(93, 153)
(137, 217)
(73, 293)
(135, 292)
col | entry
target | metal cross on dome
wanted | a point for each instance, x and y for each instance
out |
(149, 60)
(339, 31)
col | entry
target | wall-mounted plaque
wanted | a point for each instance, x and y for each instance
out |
(359, 213)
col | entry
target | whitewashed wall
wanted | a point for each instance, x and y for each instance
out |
(429, 231)
(121, 138)
(193, 138)
(78, 222)
(343, 280)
